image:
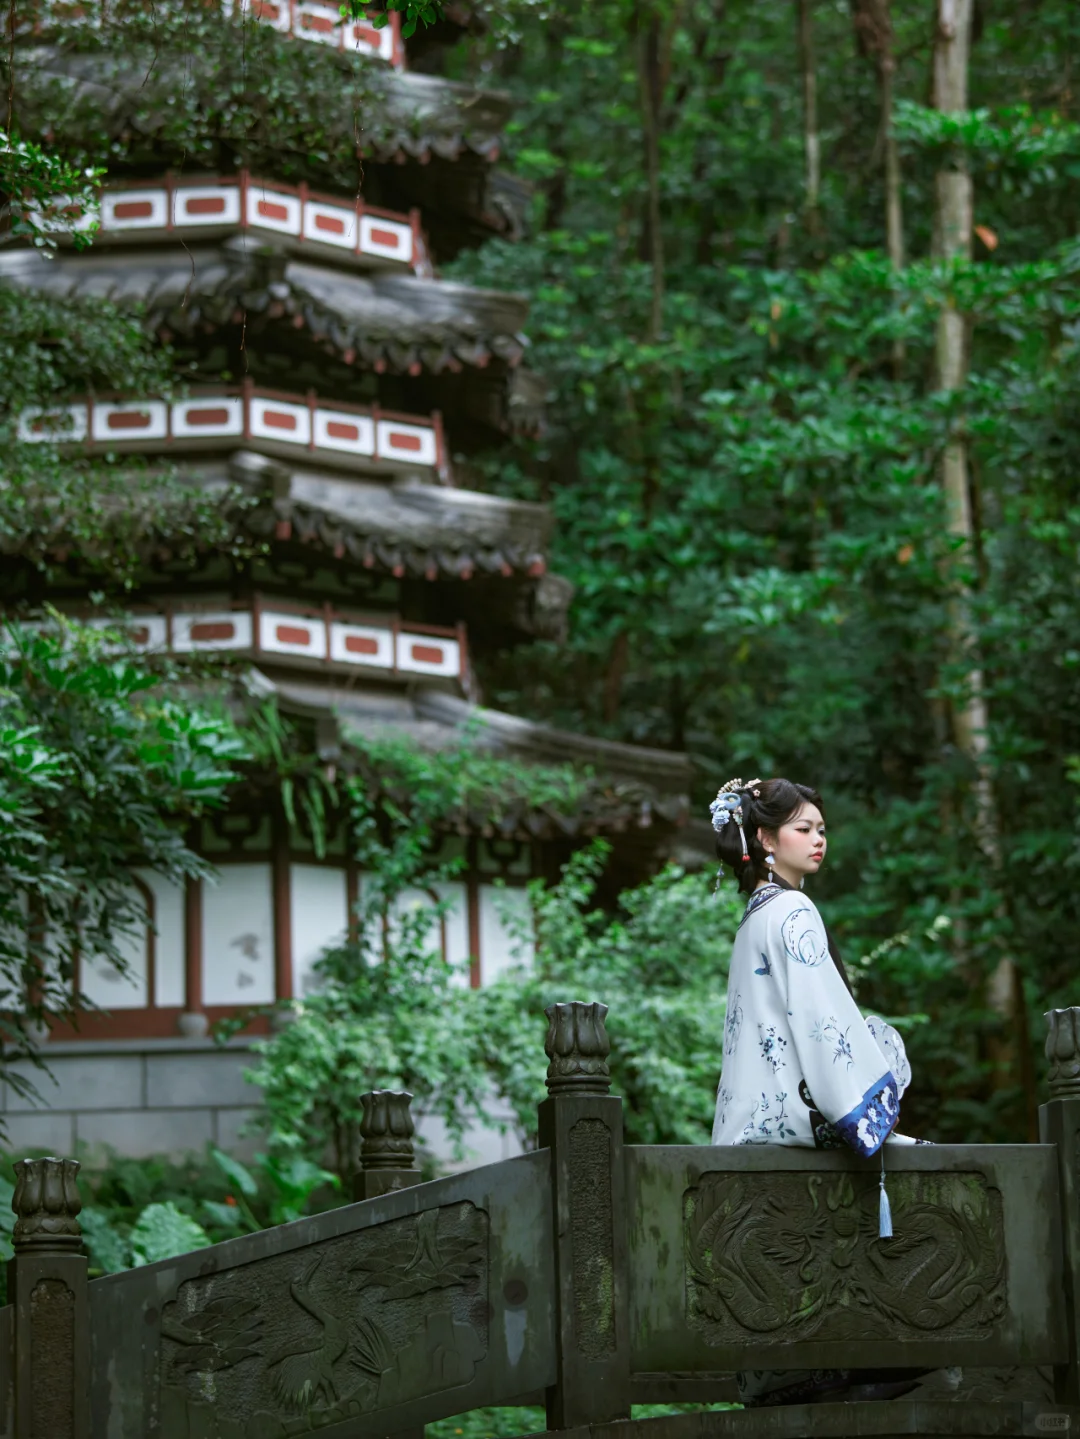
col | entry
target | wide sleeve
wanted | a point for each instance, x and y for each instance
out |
(847, 1076)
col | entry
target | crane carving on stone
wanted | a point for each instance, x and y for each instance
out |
(304, 1373)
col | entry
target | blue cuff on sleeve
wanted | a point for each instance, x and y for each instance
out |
(873, 1119)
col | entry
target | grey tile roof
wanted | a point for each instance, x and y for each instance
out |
(385, 321)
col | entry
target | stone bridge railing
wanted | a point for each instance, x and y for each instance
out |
(595, 1274)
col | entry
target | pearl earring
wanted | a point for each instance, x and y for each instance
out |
(771, 862)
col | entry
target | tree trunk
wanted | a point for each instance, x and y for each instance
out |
(952, 240)
(614, 675)
(650, 86)
(874, 32)
(811, 138)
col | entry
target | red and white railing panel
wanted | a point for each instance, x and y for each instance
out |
(336, 433)
(272, 630)
(168, 206)
(318, 21)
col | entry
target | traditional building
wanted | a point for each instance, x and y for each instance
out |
(330, 386)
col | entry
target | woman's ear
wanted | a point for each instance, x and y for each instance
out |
(766, 839)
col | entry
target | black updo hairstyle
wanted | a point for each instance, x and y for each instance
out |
(776, 801)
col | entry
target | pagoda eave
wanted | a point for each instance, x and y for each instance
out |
(388, 322)
(131, 92)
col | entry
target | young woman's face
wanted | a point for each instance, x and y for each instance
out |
(798, 846)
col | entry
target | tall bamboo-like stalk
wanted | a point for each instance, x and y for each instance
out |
(953, 220)
(811, 136)
(874, 31)
(650, 88)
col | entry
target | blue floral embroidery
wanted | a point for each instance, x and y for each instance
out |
(769, 1127)
(758, 898)
(828, 1031)
(732, 1025)
(772, 1046)
(868, 1125)
(766, 967)
(723, 1099)
(803, 939)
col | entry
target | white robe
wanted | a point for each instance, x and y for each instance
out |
(801, 1065)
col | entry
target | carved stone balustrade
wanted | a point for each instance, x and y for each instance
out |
(46, 1204)
(47, 1288)
(1063, 1052)
(577, 1045)
(387, 1158)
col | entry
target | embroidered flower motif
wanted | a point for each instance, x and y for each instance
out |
(872, 1120)
(732, 1025)
(771, 1126)
(772, 1046)
(723, 1099)
(803, 939)
(828, 1031)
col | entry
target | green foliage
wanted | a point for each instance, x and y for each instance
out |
(290, 1182)
(413, 12)
(504, 1423)
(205, 89)
(42, 191)
(659, 963)
(386, 1014)
(99, 770)
(163, 1231)
(748, 503)
(98, 511)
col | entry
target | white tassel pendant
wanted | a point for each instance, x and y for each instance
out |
(884, 1208)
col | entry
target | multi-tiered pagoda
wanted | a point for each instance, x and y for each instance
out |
(330, 387)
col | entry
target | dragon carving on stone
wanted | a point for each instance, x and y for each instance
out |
(804, 1257)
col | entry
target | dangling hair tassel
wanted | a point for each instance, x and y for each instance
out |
(884, 1208)
(745, 851)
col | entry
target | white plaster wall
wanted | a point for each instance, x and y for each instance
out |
(320, 918)
(169, 940)
(238, 936)
(498, 946)
(110, 987)
(457, 928)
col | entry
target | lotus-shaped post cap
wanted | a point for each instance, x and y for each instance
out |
(386, 1130)
(577, 1045)
(46, 1204)
(1063, 1052)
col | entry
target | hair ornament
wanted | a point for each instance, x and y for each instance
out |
(728, 805)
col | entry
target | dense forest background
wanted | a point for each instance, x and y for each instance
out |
(746, 301)
(803, 287)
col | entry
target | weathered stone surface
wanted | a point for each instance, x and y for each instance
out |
(577, 1046)
(41, 1129)
(346, 1327)
(1063, 1052)
(46, 1204)
(194, 1081)
(803, 1258)
(140, 1132)
(83, 1083)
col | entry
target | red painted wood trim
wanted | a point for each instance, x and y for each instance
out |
(146, 1023)
(193, 947)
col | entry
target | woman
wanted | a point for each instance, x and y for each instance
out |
(800, 1064)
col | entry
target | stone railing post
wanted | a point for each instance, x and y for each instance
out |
(386, 1150)
(47, 1289)
(1059, 1124)
(581, 1124)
